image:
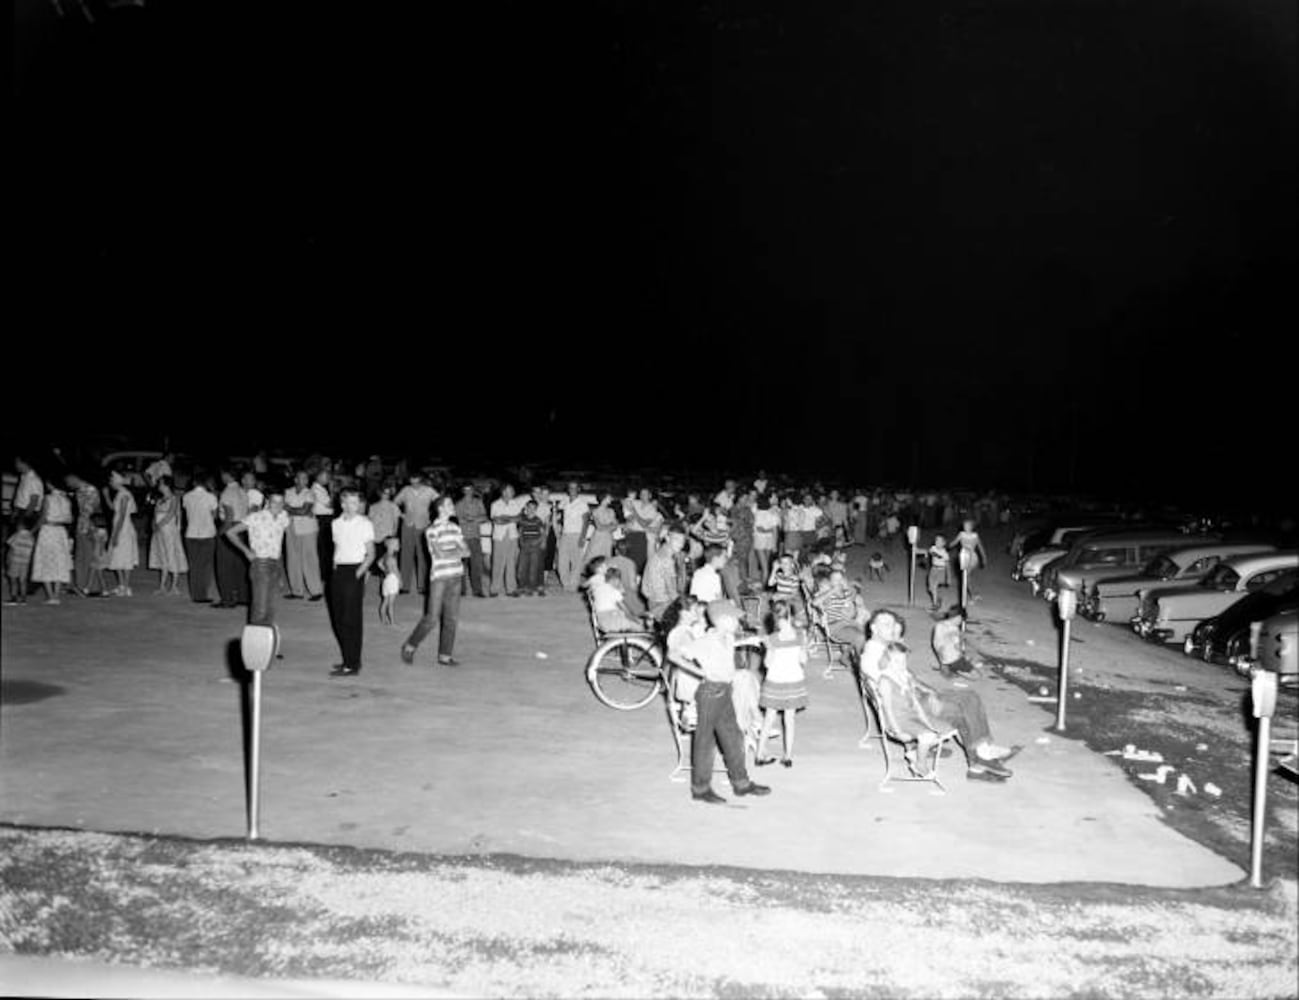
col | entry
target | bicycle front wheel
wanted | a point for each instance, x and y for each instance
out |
(626, 673)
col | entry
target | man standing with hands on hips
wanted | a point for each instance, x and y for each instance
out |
(353, 553)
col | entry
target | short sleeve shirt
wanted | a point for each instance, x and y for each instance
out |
(199, 505)
(29, 487)
(266, 532)
(350, 538)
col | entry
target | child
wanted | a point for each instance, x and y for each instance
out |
(785, 582)
(877, 566)
(611, 612)
(937, 575)
(96, 586)
(532, 551)
(784, 689)
(684, 621)
(948, 641)
(18, 559)
(706, 584)
(391, 585)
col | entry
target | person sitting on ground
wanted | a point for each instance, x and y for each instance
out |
(877, 566)
(948, 641)
(706, 583)
(920, 709)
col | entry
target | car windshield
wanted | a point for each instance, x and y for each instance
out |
(1094, 555)
(1161, 568)
(1222, 578)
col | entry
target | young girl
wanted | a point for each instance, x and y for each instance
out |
(166, 550)
(391, 585)
(123, 549)
(684, 621)
(18, 559)
(784, 688)
(96, 586)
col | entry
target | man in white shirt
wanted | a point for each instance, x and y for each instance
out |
(504, 512)
(415, 499)
(576, 515)
(31, 491)
(265, 529)
(353, 538)
(200, 505)
(301, 555)
(706, 584)
(726, 498)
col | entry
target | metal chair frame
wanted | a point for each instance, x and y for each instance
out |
(890, 733)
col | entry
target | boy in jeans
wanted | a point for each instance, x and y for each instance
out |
(532, 551)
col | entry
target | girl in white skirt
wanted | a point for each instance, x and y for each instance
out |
(784, 689)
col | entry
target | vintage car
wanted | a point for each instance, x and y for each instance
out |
(1040, 548)
(1100, 555)
(1168, 614)
(1116, 596)
(1278, 649)
(1224, 638)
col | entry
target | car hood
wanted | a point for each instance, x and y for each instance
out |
(1076, 579)
(1040, 557)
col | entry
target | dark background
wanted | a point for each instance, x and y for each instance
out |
(1023, 245)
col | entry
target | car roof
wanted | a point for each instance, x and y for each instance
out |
(1190, 553)
(1245, 565)
(1130, 536)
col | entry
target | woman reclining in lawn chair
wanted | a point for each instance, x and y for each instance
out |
(917, 708)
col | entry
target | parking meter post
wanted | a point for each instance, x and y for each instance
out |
(1067, 602)
(255, 765)
(913, 536)
(1263, 686)
(963, 559)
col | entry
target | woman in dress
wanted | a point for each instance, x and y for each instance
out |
(52, 558)
(123, 549)
(166, 550)
(603, 521)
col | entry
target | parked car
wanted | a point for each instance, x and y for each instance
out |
(1045, 546)
(1278, 650)
(1116, 596)
(1112, 552)
(1168, 614)
(1224, 638)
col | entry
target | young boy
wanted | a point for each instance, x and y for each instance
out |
(948, 641)
(18, 559)
(607, 600)
(532, 551)
(937, 574)
(706, 584)
(877, 566)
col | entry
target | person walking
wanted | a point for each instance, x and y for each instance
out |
(166, 550)
(123, 548)
(301, 547)
(353, 538)
(265, 529)
(414, 499)
(447, 548)
(200, 505)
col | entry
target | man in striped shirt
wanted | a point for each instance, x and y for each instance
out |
(844, 609)
(446, 547)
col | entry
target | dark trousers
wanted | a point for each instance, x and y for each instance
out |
(531, 573)
(638, 549)
(474, 566)
(441, 612)
(231, 572)
(414, 558)
(716, 722)
(740, 560)
(325, 542)
(264, 574)
(83, 556)
(346, 600)
(963, 711)
(552, 550)
(200, 552)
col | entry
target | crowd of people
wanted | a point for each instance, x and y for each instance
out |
(753, 564)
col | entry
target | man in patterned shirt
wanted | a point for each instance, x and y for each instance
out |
(265, 529)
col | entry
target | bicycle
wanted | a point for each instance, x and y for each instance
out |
(626, 670)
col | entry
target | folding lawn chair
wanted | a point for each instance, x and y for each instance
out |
(922, 751)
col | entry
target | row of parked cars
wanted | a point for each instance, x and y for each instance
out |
(1198, 589)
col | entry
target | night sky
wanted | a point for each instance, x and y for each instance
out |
(1039, 245)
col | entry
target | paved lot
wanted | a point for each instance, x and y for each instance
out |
(511, 753)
